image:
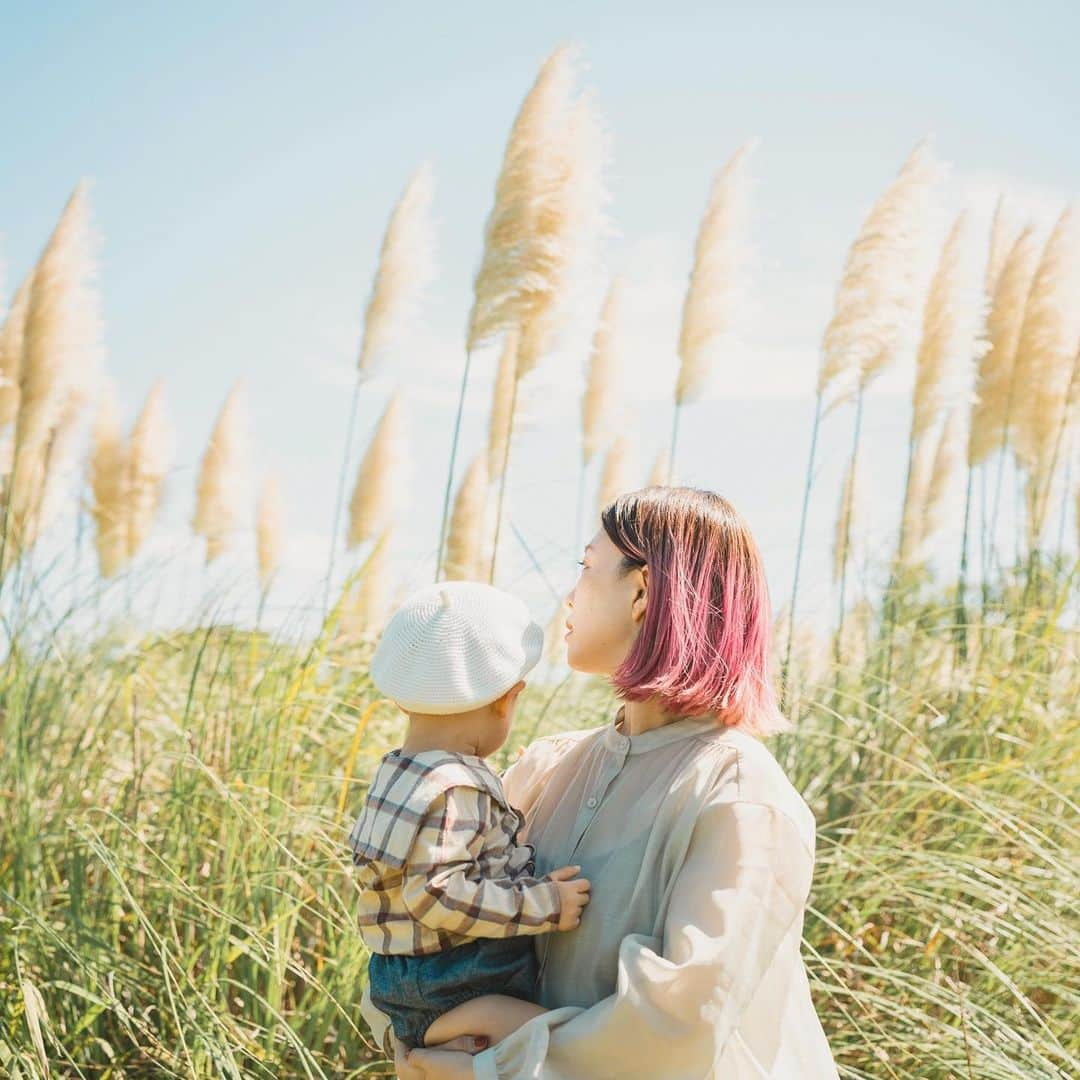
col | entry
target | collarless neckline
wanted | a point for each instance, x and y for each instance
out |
(675, 730)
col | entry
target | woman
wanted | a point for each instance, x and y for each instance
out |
(686, 965)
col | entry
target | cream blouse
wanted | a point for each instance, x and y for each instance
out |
(686, 964)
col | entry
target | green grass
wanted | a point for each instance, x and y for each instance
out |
(175, 896)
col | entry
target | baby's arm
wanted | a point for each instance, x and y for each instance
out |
(443, 884)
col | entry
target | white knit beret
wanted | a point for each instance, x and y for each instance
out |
(454, 646)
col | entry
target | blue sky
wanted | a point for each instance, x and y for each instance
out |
(243, 159)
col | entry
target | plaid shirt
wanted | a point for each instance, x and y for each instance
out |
(437, 858)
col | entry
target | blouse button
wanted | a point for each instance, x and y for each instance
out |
(591, 802)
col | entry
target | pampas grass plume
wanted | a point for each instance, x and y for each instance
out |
(1003, 236)
(108, 474)
(61, 349)
(658, 477)
(220, 492)
(370, 600)
(268, 531)
(503, 405)
(846, 519)
(406, 268)
(877, 297)
(950, 339)
(380, 480)
(524, 179)
(150, 455)
(599, 405)
(1046, 348)
(712, 299)
(465, 542)
(995, 388)
(915, 500)
(12, 332)
(568, 222)
(615, 478)
(945, 459)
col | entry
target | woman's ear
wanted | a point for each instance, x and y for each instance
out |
(641, 595)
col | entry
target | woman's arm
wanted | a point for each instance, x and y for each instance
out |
(742, 887)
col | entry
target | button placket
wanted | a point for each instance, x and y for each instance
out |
(592, 802)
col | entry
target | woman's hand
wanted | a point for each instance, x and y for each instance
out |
(449, 1061)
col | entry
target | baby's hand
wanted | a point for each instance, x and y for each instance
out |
(574, 895)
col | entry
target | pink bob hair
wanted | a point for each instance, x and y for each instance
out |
(705, 642)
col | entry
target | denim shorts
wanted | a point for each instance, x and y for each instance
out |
(415, 990)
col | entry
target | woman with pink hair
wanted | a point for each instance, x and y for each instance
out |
(686, 965)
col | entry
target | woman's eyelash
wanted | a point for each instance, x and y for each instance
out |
(581, 562)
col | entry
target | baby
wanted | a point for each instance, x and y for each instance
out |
(448, 895)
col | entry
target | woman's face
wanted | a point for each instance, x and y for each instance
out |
(606, 609)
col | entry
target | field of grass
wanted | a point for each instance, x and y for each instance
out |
(175, 895)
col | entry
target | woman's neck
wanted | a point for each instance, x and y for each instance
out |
(639, 716)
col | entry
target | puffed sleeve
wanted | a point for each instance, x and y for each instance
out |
(444, 886)
(742, 886)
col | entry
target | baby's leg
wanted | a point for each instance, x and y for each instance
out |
(493, 1015)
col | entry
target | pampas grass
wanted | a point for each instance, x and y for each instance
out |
(600, 408)
(568, 224)
(503, 404)
(269, 521)
(1044, 360)
(995, 383)
(529, 173)
(382, 478)
(846, 519)
(711, 306)
(221, 487)
(368, 604)
(920, 468)
(539, 237)
(712, 300)
(661, 473)
(950, 339)
(126, 477)
(465, 542)
(946, 457)
(12, 331)
(874, 314)
(615, 478)
(58, 367)
(877, 298)
(600, 403)
(406, 268)
(525, 178)
(951, 344)
(150, 455)
(61, 334)
(108, 472)
(1003, 236)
